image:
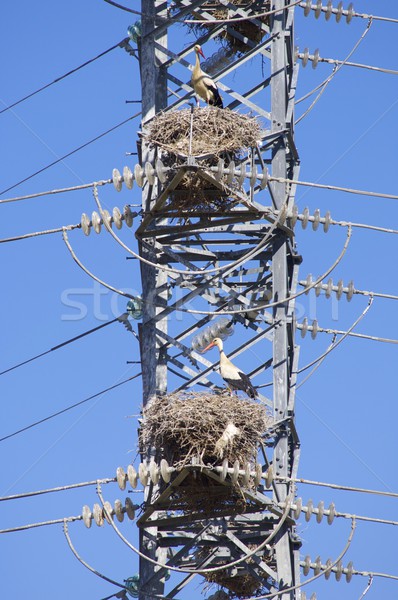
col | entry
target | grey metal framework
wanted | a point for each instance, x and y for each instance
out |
(239, 259)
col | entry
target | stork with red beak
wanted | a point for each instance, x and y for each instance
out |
(203, 85)
(234, 377)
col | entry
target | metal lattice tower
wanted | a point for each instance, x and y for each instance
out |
(255, 236)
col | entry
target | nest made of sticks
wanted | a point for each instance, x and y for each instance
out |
(244, 28)
(216, 133)
(208, 427)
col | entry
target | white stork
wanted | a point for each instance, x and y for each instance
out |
(203, 85)
(234, 377)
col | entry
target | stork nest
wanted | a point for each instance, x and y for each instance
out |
(216, 133)
(246, 29)
(195, 425)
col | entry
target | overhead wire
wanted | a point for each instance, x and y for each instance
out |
(64, 410)
(26, 236)
(335, 71)
(44, 87)
(58, 160)
(119, 319)
(61, 488)
(58, 191)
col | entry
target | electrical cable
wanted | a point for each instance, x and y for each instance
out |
(335, 486)
(199, 571)
(334, 188)
(62, 344)
(60, 412)
(101, 135)
(314, 577)
(58, 191)
(283, 300)
(41, 524)
(120, 44)
(353, 14)
(339, 341)
(66, 532)
(335, 71)
(38, 233)
(62, 488)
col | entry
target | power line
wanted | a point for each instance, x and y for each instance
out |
(60, 412)
(334, 188)
(58, 191)
(44, 87)
(57, 489)
(26, 236)
(101, 135)
(120, 319)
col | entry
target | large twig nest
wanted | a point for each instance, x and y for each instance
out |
(205, 426)
(215, 131)
(247, 29)
(215, 134)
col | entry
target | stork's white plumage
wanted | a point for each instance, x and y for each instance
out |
(203, 85)
(234, 377)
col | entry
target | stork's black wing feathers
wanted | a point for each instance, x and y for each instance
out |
(244, 384)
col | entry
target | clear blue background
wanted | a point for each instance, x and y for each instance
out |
(346, 412)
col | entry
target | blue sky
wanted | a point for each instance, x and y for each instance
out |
(346, 412)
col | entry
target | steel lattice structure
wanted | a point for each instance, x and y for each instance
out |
(236, 261)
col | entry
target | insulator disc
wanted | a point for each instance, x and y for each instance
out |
(108, 510)
(231, 172)
(318, 8)
(87, 516)
(154, 472)
(304, 220)
(304, 327)
(339, 570)
(329, 10)
(235, 472)
(139, 175)
(310, 508)
(350, 13)
(224, 471)
(253, 177)
(149, 173)
(98, 515)
(164, 469)
(119, 511)
(299, 505)
(128, 216)
(308, 283)
(220, 170)
(318, 565)
(264, 179)
(132, 476)
(117, 218)
(128, 177)
(86, 224)
(161, 171)
(269, 477)
(340, 286)
(307, 7)
(143, 474)
(246, 476)
(332, 513)
(328, 571)
(305, 57)
(121, 478)
(96, 221)
(350, 292)
(317, 218)
(258, 476)
(293, 218)
(242, 173)
(106, 217)
(320, 511)
(328, 220)
(117, 179)
(314, 330)
(329, 288)
(307, 565)
(349, 571)
(130, 511)
(339, 12)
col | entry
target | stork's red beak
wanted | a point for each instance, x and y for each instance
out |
(211, 345)
(201, 53)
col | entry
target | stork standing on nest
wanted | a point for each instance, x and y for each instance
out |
(203, 85)
(234, 377)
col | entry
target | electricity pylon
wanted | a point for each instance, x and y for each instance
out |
(256, 240)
